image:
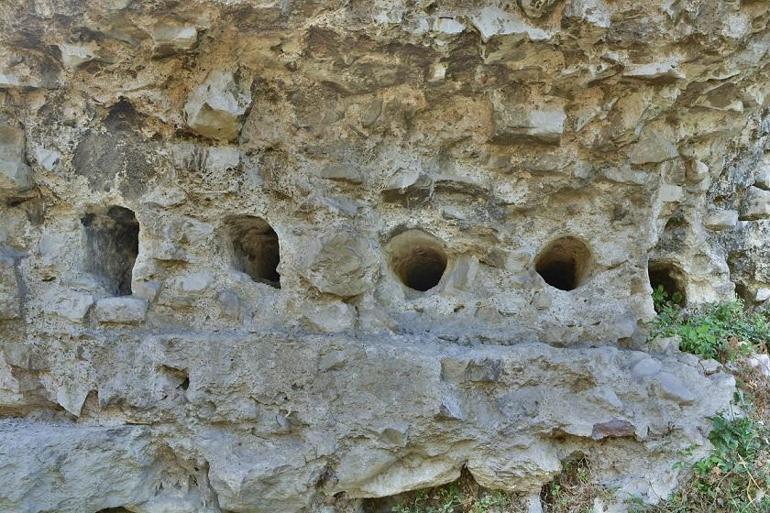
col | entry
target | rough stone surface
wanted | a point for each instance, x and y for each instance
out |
(756, 205)
(15, 174)
(157, 356)
(121, 309)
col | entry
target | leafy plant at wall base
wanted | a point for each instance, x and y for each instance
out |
(721, 331)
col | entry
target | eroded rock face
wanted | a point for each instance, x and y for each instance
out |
(285, 256)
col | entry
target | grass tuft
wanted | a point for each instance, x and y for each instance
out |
(720, 331)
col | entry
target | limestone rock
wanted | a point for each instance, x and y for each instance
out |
(521, 122)
(430, 247)
(15, 174)
(10, 293)
(171, 37)
(70, 305)
(121, 310)
(762, 174)
(721, 219)
(537, 8)
(341, 263)
(73, 56)
(59, 460)
(656, 144)
(214, 109)
(756, 205)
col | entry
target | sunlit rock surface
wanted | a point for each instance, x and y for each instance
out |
(285, 256)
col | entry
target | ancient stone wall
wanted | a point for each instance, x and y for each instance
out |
(284, 256)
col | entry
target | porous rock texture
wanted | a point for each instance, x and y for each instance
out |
(265, 257)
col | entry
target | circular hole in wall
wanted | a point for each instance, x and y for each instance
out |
(564, 263)
(669, 278)
(418, 259)
(255, 248)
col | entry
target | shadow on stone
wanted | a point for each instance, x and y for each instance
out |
(418, 259)
(564, 263)
(670, 278)
(112, 244)
(255, 248)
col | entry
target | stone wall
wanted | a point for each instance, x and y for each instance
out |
(281, 256)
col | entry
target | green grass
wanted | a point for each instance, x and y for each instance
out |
(457, 497)
(735, 478)
(722, 331)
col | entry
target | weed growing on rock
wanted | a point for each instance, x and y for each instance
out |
(573, 490)
(722, 331)
(461, 496)
(735, 478)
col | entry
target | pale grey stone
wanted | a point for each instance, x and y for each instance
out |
(10, 293)
(70, 305)
(721, 219)
(646, 368)
(515, 121)
(15, 174)
(60, 457)
(762, 173)
(73, 56)
(47, 158)
(696, 171)
(671, 387)
(756, 205)
(146, 289)
(340, 263)
(656, 144)
(493, 21)
(121, 310)
(229, 303)
(595, 12)
(341, 172)
(760, 362)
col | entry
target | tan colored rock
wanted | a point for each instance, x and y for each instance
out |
(15, 174)
(214, 109)
(171, 37)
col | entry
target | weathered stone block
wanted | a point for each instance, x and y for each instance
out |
(721, 219)
(340, 262)
(171, 37)
(515, 121)
(214, 109)
(10, 295)
(70, 305)
(756, 205)
(15, 174)
(121, 310)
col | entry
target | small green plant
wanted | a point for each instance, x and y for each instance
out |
(572, 491)
(462, 496)
(721, 331)
(735, 478)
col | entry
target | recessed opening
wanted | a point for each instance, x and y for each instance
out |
(462, 495)
(669, 278)
(112, 243)
(418, 259)
(564, 263)
(255, 248)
